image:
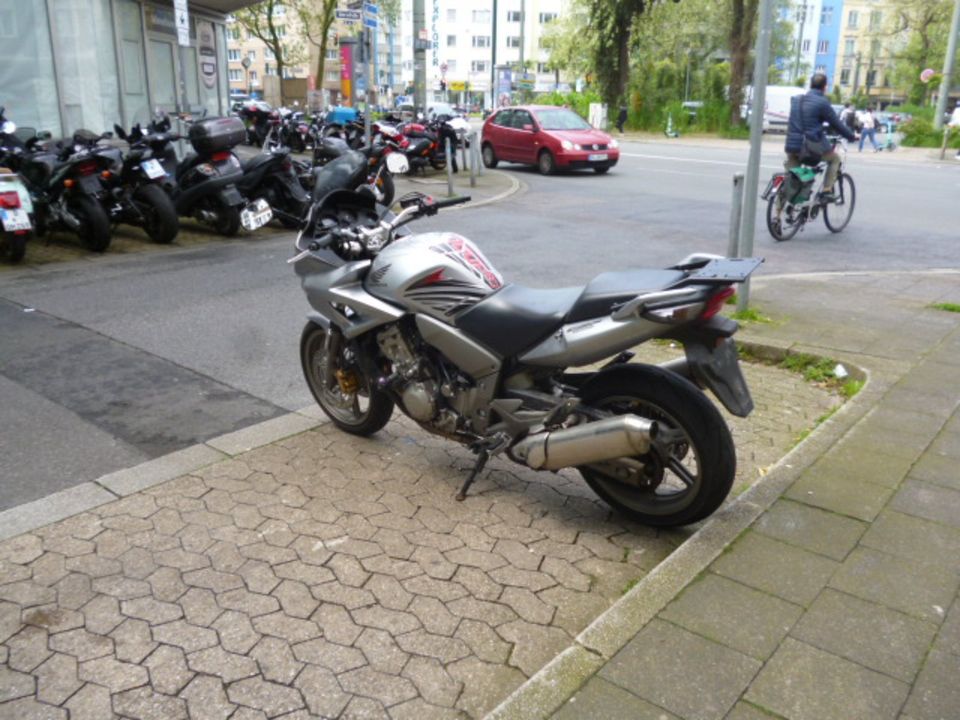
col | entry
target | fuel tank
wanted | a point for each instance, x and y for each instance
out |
(440, 274)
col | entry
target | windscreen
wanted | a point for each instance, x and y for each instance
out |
(561, 119)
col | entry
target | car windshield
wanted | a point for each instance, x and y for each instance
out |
(562, 119)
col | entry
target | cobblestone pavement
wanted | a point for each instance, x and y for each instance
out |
(331, 576)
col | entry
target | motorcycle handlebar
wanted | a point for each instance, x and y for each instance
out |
(450, 202)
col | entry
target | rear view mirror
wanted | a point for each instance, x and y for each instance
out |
(107, 135)
(9, 127)
(44, 135)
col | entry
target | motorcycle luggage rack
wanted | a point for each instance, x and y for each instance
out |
(723, 271)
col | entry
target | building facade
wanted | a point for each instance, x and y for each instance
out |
(71, 64)
(828, 34)
(461, 53)
(241, 43)
(865, 52)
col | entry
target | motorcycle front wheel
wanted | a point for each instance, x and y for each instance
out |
(387, 187)
(341, 389)
(94, 230)
(691, 477)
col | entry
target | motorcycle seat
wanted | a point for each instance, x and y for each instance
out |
(516, 317)
(256, 161)
(610, 289)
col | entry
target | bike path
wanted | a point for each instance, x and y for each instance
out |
(830, 589)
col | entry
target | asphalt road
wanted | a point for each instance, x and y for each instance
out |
(105, 364)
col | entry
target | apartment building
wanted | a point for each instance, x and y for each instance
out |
(462, 44)
(865, 51)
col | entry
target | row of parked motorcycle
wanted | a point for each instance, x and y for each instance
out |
(87, 184)
(421, 141)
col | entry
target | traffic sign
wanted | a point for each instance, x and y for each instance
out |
(182, 19)
(349, 16)
(369, 9)
(370, 22)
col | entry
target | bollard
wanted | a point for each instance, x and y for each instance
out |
(474, 158)
(463, 153)
(477, 154)
(736, 209)
(449, 157)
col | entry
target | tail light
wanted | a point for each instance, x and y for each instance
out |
(88, 167)
(106, 174)
(778, 181)
(9, 200)
(286, 164)
(220, 156)
(715, 303)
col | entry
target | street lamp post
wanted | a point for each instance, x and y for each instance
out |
(802, 19)
(246, 69)
(947, 68)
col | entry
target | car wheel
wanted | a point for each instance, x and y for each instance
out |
(489, 157)
(546, 164)
(602, 170)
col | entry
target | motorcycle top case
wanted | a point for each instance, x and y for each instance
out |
(217, 134)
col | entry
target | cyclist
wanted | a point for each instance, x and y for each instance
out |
(808, 114)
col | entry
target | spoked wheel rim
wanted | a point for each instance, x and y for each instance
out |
(349, 408)
(669, 484)
(837, 215)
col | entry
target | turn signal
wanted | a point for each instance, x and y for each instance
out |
(105, 175)
(69, 183)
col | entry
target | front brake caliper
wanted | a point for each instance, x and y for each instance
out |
(348, 381)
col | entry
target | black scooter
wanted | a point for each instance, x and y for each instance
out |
(204, 184)
(272, 176)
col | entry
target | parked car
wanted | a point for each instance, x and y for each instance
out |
(552, 138)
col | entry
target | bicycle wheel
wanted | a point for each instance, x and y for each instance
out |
(785, 224)
(837, 214)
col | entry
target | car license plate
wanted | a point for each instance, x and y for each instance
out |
(15, 220)
(597, 157)
(153, 169)
(256, 215)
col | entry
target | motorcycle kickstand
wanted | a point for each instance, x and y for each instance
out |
(482, 456)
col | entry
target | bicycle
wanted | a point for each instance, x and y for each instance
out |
(795, 198)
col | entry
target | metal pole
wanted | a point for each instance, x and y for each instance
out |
(802, 12)
(473, 158)
(419, 58)
(948, 68)
(760, 67)
(523, 22)
(736, 212)
(493, 60)
(368, 110)
(446, 147)
(475, 146)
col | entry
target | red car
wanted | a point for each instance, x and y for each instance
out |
(552, 138)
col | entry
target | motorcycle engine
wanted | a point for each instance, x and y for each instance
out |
(418, 391)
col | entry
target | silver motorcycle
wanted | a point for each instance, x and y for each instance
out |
(425, 322)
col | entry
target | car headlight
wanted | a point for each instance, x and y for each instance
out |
(567, 145)
(614, 143)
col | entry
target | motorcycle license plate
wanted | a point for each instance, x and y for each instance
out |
(15, 220)
(256, 215)
(597, 157)
(153, 169)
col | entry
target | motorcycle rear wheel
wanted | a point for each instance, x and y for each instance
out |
(698, 471)
(160, 215)
(94, 231)
(13, 247)
(363, 412)
(228, 220)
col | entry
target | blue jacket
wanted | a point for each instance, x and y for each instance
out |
(808, 113)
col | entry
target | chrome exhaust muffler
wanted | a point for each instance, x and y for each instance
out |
(607, 439)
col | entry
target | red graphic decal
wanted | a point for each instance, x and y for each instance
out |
(475, 262)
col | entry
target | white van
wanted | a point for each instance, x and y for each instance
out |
(776, 111)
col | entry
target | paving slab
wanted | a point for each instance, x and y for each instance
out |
(914, 538)
(602, 699)
(937, 692)
(871, 635)
(929, 501)
(682, 672)
(810, 528)
(803, 683)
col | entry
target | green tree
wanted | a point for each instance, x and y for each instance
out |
(316, 18)
(925, 25)
(742, 24)
(267, 21)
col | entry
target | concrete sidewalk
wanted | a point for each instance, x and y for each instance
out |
(829, 590)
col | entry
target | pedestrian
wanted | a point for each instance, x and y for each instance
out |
(955, 124)
(848, 116)
(621, 117)
(869, 129)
